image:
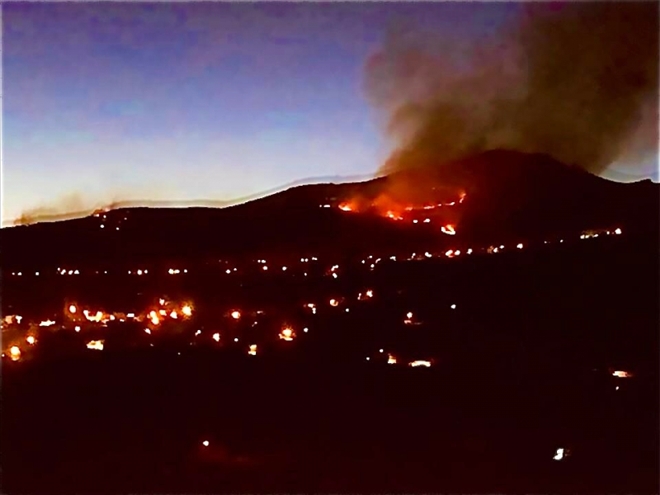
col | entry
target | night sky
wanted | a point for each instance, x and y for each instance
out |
(197, 101)
(185, 101)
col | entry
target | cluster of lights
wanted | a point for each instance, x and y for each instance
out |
(447, 229)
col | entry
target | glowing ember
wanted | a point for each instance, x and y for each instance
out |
(96, 345)
(30, 339)
(161, 302)
(47, 323)
(236, 315)
(77, 328)
(448, 229)
(174, 315)
(617, 231)
(415, 364)
(15, 353)
(334, 302)
(409, 315)
(520, 246)
(216, 337)
(622, 374)
(95, 318)
(253, 350)
(147, 331)
(561, 453)
(205, 443)
(287, 334)
(186, 310)
(391, 359)
(73, 309)
(345, 207)
(370, 293)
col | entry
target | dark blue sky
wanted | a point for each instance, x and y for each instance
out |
(186, 101)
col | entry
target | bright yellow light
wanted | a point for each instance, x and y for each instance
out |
(287, 334)
(187, 310)
(622, 374)
(415, 364)
(448, 229)
(174, 315)
(15, 353)
(236, 315)
(391, 359)
(253, 350)
(30, 339)
(96, 345)
(73, 309)
(147, 331)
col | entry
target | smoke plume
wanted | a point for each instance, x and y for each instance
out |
(578, 81)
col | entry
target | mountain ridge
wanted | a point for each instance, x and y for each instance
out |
(508, 196)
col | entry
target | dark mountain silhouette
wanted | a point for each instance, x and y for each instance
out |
(510, 196)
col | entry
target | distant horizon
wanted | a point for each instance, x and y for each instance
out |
(216, 204)
(194, 203)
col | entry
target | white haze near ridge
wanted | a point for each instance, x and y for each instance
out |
(208, 170)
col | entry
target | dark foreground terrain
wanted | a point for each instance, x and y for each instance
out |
(136, 424)
(523, 366)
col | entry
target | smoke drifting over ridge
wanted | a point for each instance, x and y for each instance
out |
(576, 81)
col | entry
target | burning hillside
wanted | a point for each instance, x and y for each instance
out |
(445, 214)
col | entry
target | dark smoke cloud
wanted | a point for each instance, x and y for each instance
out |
(577, 81)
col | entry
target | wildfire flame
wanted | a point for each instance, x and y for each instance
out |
(15, 353)
(448, 229)
(418, 363)
(96, 345)
(287, 334)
